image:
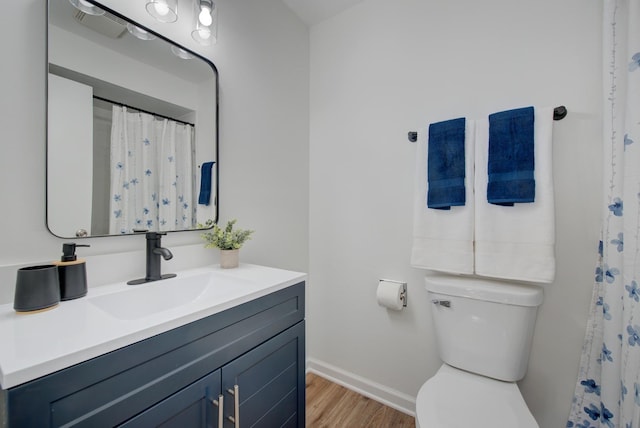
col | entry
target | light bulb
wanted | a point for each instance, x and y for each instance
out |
(204, 34)
(205, 16)
(161, 8)
(139, 32)
(86, 7)
(181, 53)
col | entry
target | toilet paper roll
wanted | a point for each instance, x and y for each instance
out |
(390, 294)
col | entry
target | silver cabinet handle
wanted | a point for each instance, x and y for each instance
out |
(236, 406)
(220, 404)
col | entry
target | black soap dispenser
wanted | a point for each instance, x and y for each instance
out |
(72, 273)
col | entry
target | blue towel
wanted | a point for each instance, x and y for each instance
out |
(445, 166)
(511, 157)
(205, 183)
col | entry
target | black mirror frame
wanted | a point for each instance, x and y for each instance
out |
(217, 117)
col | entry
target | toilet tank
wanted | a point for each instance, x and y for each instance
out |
(484, 326)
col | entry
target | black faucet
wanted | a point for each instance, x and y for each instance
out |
(154, 251)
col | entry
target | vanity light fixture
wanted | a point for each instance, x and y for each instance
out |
(205, 22)
(86, 7)
(181, 53)
(163, 10)
(204, 15)
(139, 32)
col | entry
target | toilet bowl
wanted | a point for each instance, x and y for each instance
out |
(454, 398)
(483, 330)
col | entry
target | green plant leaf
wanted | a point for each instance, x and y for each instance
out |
(224, 239)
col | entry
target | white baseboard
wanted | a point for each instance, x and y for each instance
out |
(383, 394)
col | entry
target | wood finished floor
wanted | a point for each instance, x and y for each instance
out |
(332, 406)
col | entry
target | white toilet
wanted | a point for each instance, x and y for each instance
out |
(483, 330)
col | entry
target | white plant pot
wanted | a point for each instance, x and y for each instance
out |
(229, 259)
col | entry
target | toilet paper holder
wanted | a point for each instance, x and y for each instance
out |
(403, 293)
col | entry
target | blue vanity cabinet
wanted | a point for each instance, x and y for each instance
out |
(250, 358)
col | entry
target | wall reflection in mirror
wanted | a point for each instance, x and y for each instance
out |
(131, 127)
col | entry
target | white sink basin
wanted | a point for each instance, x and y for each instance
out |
(139, 301)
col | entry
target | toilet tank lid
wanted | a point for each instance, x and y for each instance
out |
(510, 293)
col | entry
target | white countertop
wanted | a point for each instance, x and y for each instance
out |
(37, 344)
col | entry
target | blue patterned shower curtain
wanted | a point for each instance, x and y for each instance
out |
(607, 391)
(152, 176)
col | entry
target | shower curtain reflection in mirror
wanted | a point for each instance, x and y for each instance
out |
(151, 173)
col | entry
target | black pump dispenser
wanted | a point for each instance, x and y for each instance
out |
(69, 251)
(72, 272)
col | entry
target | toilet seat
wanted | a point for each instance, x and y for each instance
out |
(454, 398)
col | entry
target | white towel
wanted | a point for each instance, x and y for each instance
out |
(517, 242)
(443, 239)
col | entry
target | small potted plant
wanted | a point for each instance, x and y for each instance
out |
(227, 239)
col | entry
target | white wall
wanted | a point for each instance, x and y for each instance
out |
(71, 126)
(377, 71)
(262, 58)
(381, 69)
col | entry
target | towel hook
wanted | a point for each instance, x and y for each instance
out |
(559, 113)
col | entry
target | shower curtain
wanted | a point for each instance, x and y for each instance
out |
(607, 391)
(152, 177)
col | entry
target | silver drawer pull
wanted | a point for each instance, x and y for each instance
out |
(445, 303)
(220, 404)
(235, 419)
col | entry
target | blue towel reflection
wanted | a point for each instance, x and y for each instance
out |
(205, 183)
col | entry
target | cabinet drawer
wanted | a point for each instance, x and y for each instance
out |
(114, 387)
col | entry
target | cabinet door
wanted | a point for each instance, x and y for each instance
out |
(194, 406)
(270, 383)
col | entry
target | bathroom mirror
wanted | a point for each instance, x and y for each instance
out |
(132, 127)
